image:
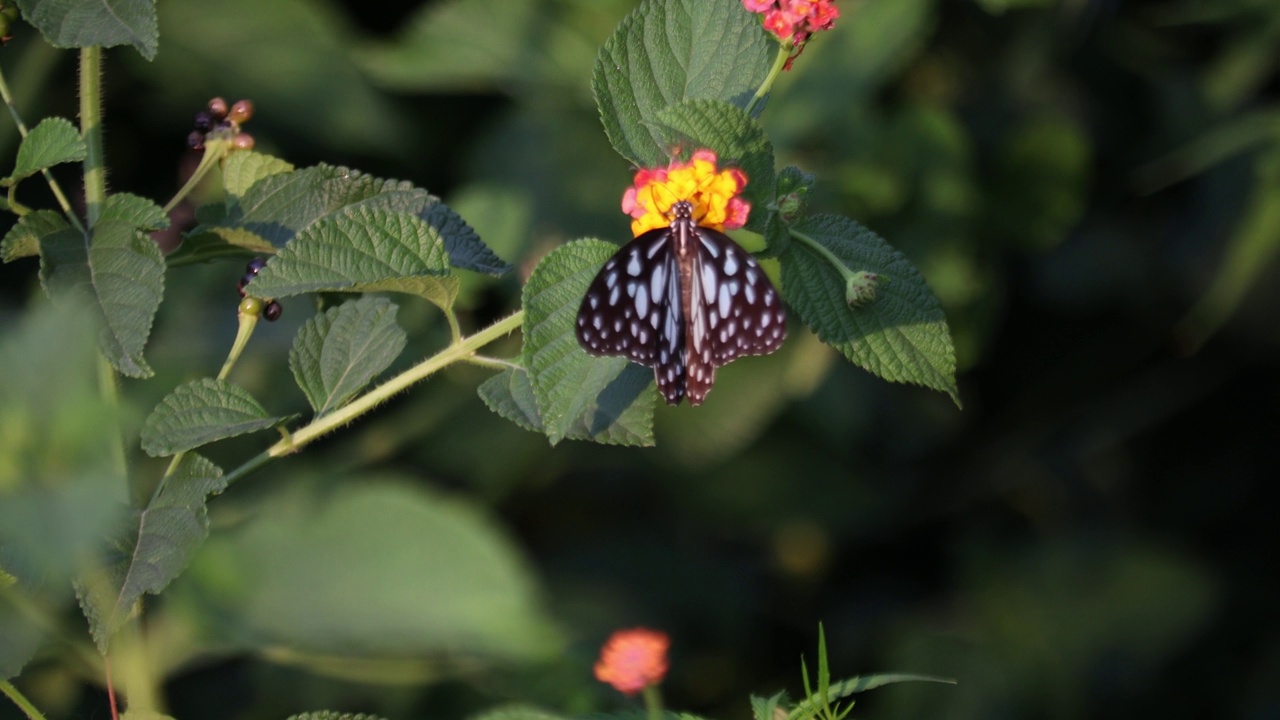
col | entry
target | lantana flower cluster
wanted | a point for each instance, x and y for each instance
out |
(633, 660)
(712, 192)
(795, 20)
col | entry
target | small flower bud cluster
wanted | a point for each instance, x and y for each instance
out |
(220, 120)
(272, 310)
(794, 21)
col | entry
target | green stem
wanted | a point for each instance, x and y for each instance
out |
(214, 151)
(826, 254)
(653, 702)
(48, 176)
(95, 166)
(109, 388)
(779, 62)
(463, 350)
(20, 700)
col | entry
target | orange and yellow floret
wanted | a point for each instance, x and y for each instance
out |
(712, 192)
(633, 659)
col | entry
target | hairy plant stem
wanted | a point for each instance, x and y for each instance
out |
(462, 350)
(48, 176)
(20, 700)
(779, 62)
(826, 254)
(95, 167)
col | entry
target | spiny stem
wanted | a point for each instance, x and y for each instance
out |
(48, 176)
(779, 62)
(95, 166)
(20, 700)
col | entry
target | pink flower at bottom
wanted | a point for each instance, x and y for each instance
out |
(632, 660)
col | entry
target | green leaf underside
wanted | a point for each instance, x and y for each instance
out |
(461, 587)
(845, 688)
(158, 545)
(120, 272)
(605, 399)
(53, 142)
(199, 413)
(902, 336)
(337, 353)
(667, 52)
(510, 395)
(103, 23)
(737, 139)
(23, 239)
(361, 249)
(277, 205)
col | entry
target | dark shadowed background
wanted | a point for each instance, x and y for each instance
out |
(1089, 186)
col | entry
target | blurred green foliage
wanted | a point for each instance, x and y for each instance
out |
(1090, 188)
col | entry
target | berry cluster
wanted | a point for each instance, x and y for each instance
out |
(271, 312)
(219, 120)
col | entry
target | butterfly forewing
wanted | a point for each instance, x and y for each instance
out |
(683, 300)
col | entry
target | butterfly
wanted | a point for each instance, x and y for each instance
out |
(684, 300)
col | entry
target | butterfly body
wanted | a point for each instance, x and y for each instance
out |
(683, 300)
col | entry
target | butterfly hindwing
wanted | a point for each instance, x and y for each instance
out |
(683, 300)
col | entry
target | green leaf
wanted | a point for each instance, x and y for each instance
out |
(902, 336)
(443, 49)
(138, 211)
(604, 399)
(53, 142)
(510, 395)
(337, 353)
(332, 715)
(465, 249)
(666, 52)
(89, 23)
(517, 712)
(385, 569)
(282, 205)
(60, 487)
(155, 547)
(243, 168)
(201, 412)
(23, 239)
(119, 271)
(737, 139)
(857, 684)
(766, 708)
(361, 250)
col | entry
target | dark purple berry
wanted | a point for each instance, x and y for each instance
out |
(204, 121)
(195, 140)
(255, 265)
(242, 282)
(272, 311)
